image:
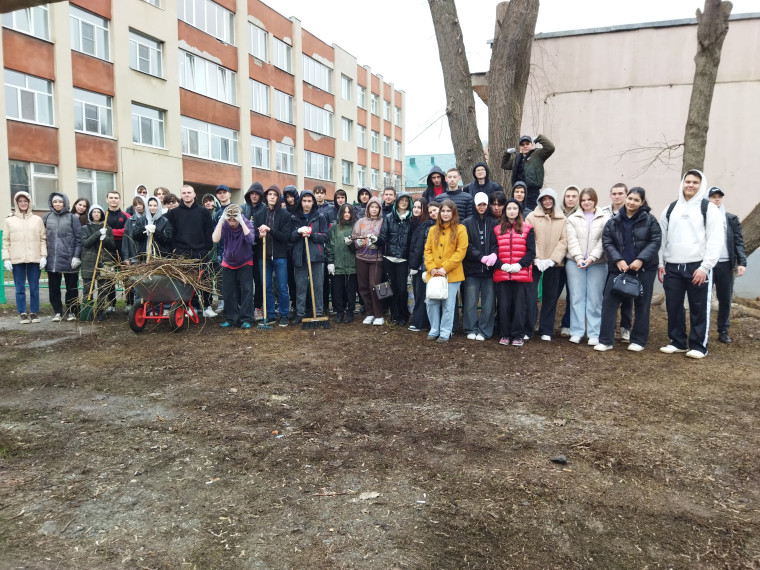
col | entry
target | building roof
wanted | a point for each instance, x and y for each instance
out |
(418, 166)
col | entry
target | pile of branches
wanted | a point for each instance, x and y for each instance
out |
(180, 269)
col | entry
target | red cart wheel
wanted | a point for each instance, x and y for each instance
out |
(137, 318)
(178, 320)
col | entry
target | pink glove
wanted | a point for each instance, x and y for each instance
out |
(484, 260)
(492, 259)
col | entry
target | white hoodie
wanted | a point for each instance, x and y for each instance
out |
(685, 237)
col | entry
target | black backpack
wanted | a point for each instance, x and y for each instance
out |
(703, 206)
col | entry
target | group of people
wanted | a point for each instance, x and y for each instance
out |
(499, 252)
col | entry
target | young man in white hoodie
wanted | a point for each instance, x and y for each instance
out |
(692, 238)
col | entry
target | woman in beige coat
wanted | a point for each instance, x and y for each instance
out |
(25, 255)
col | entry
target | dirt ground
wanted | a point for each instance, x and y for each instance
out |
(368, 447)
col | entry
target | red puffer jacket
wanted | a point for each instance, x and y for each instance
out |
(512, 248)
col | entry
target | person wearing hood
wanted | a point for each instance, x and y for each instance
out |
(290, 203)
(631, 241)
(549, 225)
(274, 223)
(93, 234)
(25, 255)
(308, 229)
(465, 205)
(155, 223)
(328, 211)
(339, 198)
(692, 239)
(478, 272)
(369, 260)
(395, 238)
(527, 164)
(134, 244)
(64, 245)
(481, 181)
(519, 191)
(732, 258)
(254, 203)
(140, 190)
(435, 184)
(360, 206)
(569, 206)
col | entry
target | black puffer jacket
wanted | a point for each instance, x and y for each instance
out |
(465, 203)
(64, 236)
(646, 235)
(490, 186)
(396, 234)
(417, 245)
(278, 237)
(472, 265)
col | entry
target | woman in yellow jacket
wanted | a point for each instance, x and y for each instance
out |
(445, 249)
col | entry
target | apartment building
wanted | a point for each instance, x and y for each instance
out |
(103, 94)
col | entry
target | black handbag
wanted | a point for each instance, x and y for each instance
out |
(627, 285)
(383, 290)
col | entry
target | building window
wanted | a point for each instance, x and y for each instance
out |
(374, 178)
(386, 110)
(386, 145)
(397, 154)
(361, 136)
(318, 166)
(345, 172)
(347, 125)
(205, 140)
(28, 98)
(259, 97)
(207, 78)
(361, 97)
(361, 176)
(209, 17)
(95, 184)
(317, 74)
(93, 113)
(317, 120)
(39, 180)
(32, 21)
(260, 152)
(283, 107)
(89, 33)
(397, 115)
(145, 54)
(386, 180)
(282, 56)
(257, 42)
(147, 126)
(346, 86)
(374, 141)
(374, 104)
(285, 158)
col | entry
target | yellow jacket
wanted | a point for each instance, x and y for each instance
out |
(443, 253)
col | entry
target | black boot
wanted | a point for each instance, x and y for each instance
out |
(339, 318)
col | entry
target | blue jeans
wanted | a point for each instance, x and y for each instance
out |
(586, 288)
(482, 288)
(23, 272)
(441, 313)
(280, 267)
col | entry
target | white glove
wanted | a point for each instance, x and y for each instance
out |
(347, 240)
(304, 230)
(102, 237)
(414, 271)
(372, 239)
(505, 267)
(548, 264)
(331, 268)
(239, 218)
(515, 268)
(8, 265)
(360, 242)
(511, 150)
(75, 262)
(150, 228)
(103, 231)
(540, 264)
(43, 262)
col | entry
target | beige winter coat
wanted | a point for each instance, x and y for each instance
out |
(582, 238)
(24, 237)
(551, 236)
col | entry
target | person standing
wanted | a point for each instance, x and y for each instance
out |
(618, 194)
(569, 206)
(81, 208)
(425, 216)
(254, 203)
(482, 181)
(692, 239)
(360, 206)
(464, 202)
(527, 164)
(732, 258)
(25, 255)
(64, 243)
(435, 184)
(369, 260)
(93, 234)
(116, 220)
(395, 239)
(341, 264)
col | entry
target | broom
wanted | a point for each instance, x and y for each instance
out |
(86, 311)
(263, 325)
(315, 322)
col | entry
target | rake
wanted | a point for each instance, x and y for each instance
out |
(263, 326)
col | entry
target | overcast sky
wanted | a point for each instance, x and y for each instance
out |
(396, 39)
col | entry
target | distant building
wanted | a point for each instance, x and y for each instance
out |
(418, 167)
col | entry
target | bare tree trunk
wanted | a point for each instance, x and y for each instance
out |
(712, 30)
(508, 79)
(460, 99)
(751, 230)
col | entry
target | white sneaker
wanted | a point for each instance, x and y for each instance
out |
(71, 317)
(368, 320)
(526, 337)
(57, 318)
(220, 306)
(635, 347)
(379, 321)
(479, 337)
(670, 349)
(545, 337)
(209, 313)
(593, 341)
(695, 354)
(602, 347)
(625, 334)
(575, 339)
(471, 336)
(564, 331)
